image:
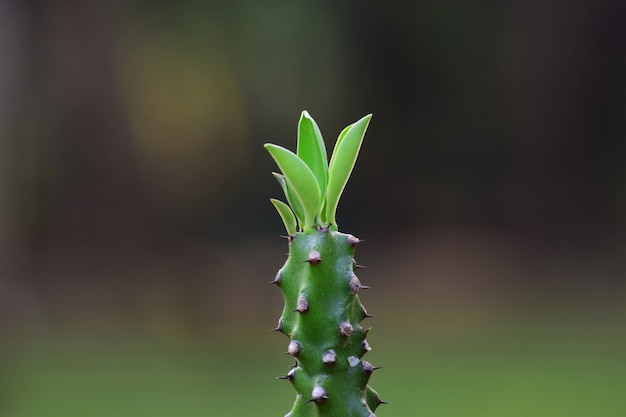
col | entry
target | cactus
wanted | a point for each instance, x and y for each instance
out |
(322, 313)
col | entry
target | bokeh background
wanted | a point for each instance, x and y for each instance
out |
(136, 236)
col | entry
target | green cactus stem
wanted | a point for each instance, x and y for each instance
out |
(322, 314)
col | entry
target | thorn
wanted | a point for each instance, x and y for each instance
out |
(294, 348)
(366, 346)
(355, 284)
(345, 328)
(356, 265)
(295, 364)
(314, 257)
(290, 375)
(318, 395)
(368, 368)
(364, 314)
(277, 278)
(279, 327)
(323, 229)
(289, 238)
(353, 241)
(302, 305)
(329, 357)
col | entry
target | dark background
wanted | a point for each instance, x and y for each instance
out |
(136, 236)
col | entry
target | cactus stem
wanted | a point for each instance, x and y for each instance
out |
(314, 257)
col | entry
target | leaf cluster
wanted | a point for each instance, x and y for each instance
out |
(312, 185)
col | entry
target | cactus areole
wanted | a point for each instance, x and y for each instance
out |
(322, 314)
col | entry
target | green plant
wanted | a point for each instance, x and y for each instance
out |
(322, 314)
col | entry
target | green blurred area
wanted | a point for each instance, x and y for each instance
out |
(508, 368)
(136, 236)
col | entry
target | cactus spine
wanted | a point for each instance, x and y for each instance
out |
(322, 313)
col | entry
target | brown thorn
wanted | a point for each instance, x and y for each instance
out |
(289, 238)
(357, 265)
(353, 241)
(277, 278)
(364, 313)
(279, 327)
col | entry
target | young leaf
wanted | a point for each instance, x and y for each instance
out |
(300, 180)
(287, 215)
(342, 162)
(312, 150)
(291, 199)
(341, 136)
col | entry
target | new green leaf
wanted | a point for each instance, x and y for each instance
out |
(287, 215)
(312, 150)
(291, 198)
(300, 179)
(342, 162)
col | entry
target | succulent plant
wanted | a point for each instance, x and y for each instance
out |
(322, 313)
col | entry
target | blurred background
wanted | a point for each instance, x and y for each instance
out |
(137, 239)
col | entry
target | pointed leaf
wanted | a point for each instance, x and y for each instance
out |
(312, 150)
(341, 136)
(300, 180)
(342, 162)
(291, 198)
(287, 215)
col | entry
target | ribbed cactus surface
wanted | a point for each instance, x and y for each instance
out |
(322, 317)
(322, 314)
